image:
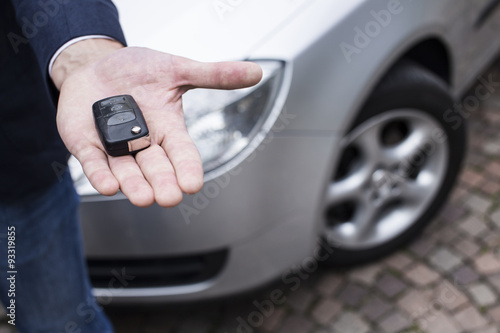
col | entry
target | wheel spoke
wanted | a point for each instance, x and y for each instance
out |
(346, 189)
(415, 192)
(414, 149)
(370, 145)
(365, 219)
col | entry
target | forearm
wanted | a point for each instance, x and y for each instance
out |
(79, 55)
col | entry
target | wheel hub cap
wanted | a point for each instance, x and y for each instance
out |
(376, 198)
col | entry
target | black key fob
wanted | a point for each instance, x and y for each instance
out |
(121, 125)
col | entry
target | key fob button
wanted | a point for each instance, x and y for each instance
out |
(121, 118)
(112, 100)
(119, 107)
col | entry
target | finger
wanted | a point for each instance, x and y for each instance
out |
(131, 180)
(185, 158)
(160, 174)
(219, 75)
(95, 166)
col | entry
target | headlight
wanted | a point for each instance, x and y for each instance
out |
(222, 123)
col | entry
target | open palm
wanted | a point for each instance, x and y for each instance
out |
(156, 80)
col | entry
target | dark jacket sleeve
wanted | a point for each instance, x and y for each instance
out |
(48, 24)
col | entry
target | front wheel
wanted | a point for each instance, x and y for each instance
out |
(398, 164)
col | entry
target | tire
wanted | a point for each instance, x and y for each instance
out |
(398, 164)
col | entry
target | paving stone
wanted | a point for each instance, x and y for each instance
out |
(470, 319)
(300, 300)
(472, 178)
(482, 294)
(349, 322)
(226, 326)
(7, 329)
(129, 322)
(478, 160)
(452, 212)
(487, 263)
(328, 284)
(194, 325)
(495, 217)
(493, 168)
(235, 315)
(444, 260)
(415, 304)
(494, 313)
(491, 187)
(472, 226)
(491, 148)
(375, 307)
(487, 330)
(467, 248)
(296, 324)
(491, 117)
(422, 246)
(352, 294)
(274, 321)
(395, 322)
(448, 296)
(438, 322)
(495, 281)
(366, 274)
(465, 276)
(446, 235)
(478, 204)
(325, 311)
(390, 285)
(421, 275)
(491, 239)
(399, 261)
(459, 194)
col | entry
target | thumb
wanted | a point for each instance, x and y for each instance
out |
(218, 75)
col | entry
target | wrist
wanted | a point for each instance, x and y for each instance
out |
(80, 55)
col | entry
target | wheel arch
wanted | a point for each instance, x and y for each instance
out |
(430, 51)
(433, 54)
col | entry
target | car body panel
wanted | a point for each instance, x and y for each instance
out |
(205, 30)
(118, 229)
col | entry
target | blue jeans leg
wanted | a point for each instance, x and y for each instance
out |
(52, 289)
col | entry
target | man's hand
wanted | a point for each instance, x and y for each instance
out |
(94, 69)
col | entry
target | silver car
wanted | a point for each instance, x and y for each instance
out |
(343, 153)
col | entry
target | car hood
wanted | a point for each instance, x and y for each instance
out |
(205, 30)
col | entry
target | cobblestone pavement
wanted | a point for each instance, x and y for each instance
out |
(447, 281)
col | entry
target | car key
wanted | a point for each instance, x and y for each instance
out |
(121, 125)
